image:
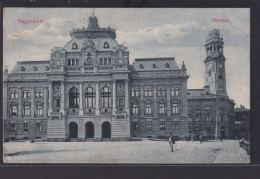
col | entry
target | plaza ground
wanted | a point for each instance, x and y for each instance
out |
(141, 152)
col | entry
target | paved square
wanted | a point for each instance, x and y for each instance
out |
(143, 152)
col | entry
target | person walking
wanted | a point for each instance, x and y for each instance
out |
(201, 138)
(171, 142)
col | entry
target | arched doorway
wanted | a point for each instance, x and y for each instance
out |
(73, 130)
(89, 128)
(106, 130)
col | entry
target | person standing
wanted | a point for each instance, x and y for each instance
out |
(171, 142)
(201, 138)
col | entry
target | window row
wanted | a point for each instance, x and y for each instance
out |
(162, 109)
(154, 65)
(198, 128)
(197, 108)
(197, 117)
(90, 97)
(161, 125)
(105, 61)
(73, 62)
(26, 94)
(38, 127)
(26, 110)
(160, 92)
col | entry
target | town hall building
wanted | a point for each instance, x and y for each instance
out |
(88, 91)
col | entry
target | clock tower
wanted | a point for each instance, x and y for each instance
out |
(215, 75)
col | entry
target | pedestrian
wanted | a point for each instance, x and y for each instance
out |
(171, 142)
(221, 138)
(201, 138)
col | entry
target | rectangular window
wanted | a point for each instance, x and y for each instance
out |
(58, 103)
(148, 109)
(25, 126)
(39, 110)
(38, 127)
(162, 108)
(208, 116)
(13, 127)
(162, 125)
(197, 117)
(150, 92)
(135, 109)
(208, 128)
(149, 126)
(175, 125)
(121, 102)
(26, 110)
(135, 126)
(175, 108)
(14, 110)
(145, 92)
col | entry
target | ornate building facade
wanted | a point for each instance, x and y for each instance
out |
(89, 91)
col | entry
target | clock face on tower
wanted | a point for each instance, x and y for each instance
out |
(209, 66)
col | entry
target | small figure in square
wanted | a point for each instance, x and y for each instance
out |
(171, 142)
(201, 138)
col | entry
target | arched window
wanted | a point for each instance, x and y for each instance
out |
(105, 61)
(69, 62)
(77, 62)
(73, 98)
(106, 45)
(109, 61)
(73, 62)
(177, 91)
(101, 61)
(14, 94)
(74, 46)
(89, 97)
(105, 97)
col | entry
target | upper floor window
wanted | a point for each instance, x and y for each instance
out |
(105, 97)
(34, 68)
(89, 97)
(39, 109)
(175, 91)
(74, 46)
(135, 109)
(175, 109)
(14, 94)
(73, 63)
(22, 69)
(161, 92)
(26, 94)
(13, 127)
(13, 109)
(39, 94)
(73, 98)
(106, 45)
(109, 61)
(26, 109)
(101, 62)
(208, 116)
(162, 109)
(77, 62)
(134, 92)
(148, 92)
(148, 109)
(105, 61)
(69, 62)
(167, 65)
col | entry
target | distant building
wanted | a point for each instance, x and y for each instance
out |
(211, 111)
(242, 122)
(88, 91)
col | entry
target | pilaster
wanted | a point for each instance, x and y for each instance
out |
(97, 99)
(114, 97)
(81, 98)
(142, 100)
(126, 97)
(168, 100)
(62, 98)
(45, 102)
(50, 98)
(20, 102)
(154, 100)
(32, 103)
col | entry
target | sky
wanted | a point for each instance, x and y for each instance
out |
(149, 32)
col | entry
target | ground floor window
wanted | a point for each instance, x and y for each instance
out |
(13, 127)
(135, 126)
(208, 128)
(149, 126)
(162, 125)
(25, 126)
(38, 127)
(175, 125)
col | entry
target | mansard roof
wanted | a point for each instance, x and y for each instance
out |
(31, 67)
(98, 44)
(155, 64)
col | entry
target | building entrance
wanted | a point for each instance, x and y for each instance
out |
(89, 127)
(73, 130)
(106, 130)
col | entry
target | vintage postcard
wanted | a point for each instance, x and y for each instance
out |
(126, 85)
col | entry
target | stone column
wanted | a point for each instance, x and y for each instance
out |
(45, 102)
(62, 96)
(32, 103)
(114, 98)
(50, 98)
(81, 98)
(142, 100)
(20, 102)
(127, 96)
(155, 109)
(168, 100)
(97, 99)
